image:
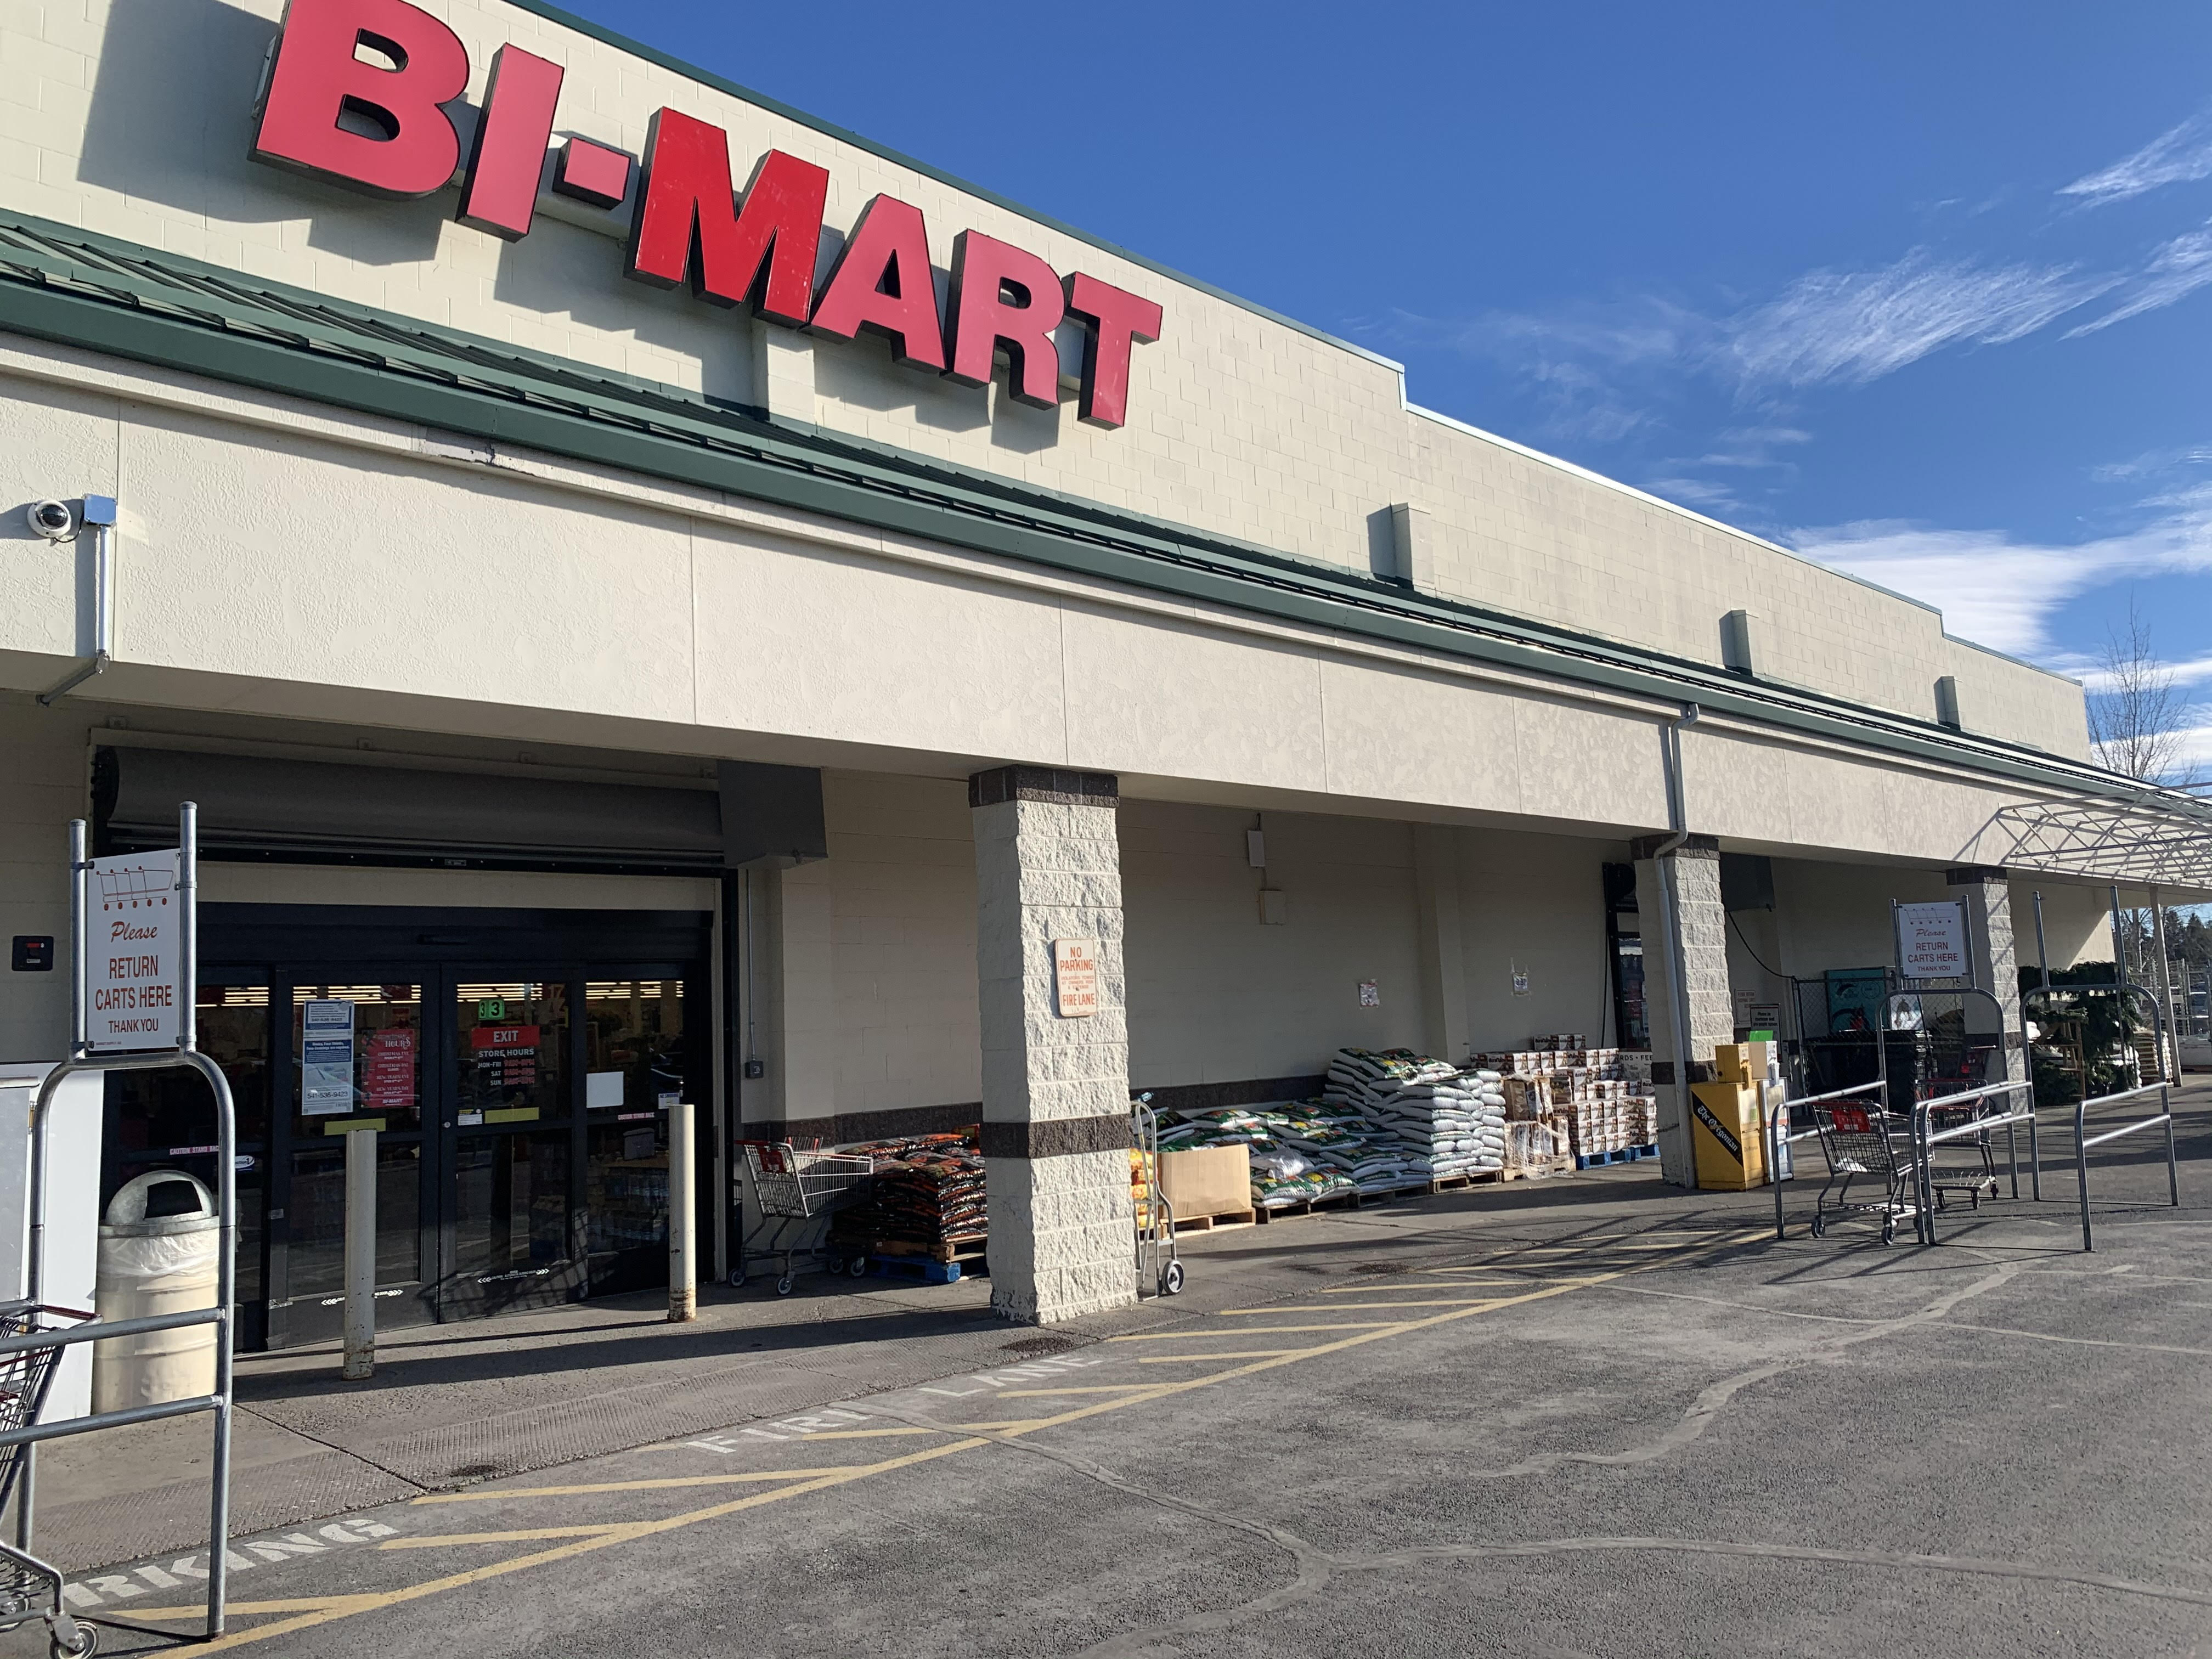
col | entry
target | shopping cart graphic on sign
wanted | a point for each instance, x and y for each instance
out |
(135, 886)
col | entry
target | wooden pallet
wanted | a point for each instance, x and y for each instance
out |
(1206, 1224)
(1560, 1164)
(1312, 1206)
(967, 1249)
(915, 1266)
(1626, 1155)
(1460, 1182)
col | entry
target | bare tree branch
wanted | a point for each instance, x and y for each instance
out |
(2137, 718)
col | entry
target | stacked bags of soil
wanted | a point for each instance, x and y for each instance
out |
(1444, 1122)
(927, 1191)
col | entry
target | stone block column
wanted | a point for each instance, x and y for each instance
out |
(1988, 894)
(1056, 1085)
(1685, 930)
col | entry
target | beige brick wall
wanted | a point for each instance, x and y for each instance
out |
(132, 117)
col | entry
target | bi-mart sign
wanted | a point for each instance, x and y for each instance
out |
(361, 93)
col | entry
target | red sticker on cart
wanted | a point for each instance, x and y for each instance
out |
(1851, 1121)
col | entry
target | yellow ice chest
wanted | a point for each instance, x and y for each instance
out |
(1724, 1128)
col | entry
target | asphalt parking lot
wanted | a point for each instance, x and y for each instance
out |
(1599, 1418)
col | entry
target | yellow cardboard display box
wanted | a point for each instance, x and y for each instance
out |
(1726, 1130)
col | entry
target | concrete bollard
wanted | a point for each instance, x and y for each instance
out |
(360, 1256)
(683, 1273)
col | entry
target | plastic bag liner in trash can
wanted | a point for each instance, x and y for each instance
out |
(158, 1249)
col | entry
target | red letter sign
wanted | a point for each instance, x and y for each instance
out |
(684, 201)
(982, 318)
(512, 138)
(881, 284)
(317, 79)
(1115, 320)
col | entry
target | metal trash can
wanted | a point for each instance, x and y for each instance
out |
(158, 1249)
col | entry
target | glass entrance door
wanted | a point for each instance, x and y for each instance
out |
(521, 1114)
(510, 1234)
(363, 1058)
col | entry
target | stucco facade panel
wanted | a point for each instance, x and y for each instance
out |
(287, 559)
(1163, 697)
(822, 643)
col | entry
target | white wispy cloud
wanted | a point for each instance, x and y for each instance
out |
(1700, 495)
(2192, 755)
(2176, 269)
(2151, 462)
(1854, 327)
(2178, 155)
(2001, 591)
(2093, 673)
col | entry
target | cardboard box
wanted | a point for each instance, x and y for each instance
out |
(1741, 1063)
(1208, 1180)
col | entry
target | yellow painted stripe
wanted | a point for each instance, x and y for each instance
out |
(1094, 1388)
(524, 1535)
(301, 1604)
(1253, 1330)
(1429, 1301)
(1190, 1358)
(482, 1496)
(1376, 1285)
(803, 1482)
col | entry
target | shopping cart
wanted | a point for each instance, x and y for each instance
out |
(795, 1187)
(26, 1582)
(1976, 1179)
(1863, 1140)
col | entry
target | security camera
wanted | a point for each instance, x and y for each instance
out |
(55, 520)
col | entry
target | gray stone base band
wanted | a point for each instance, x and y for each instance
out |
(1067, 1138)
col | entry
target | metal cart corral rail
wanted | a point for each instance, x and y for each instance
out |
(796, 1187)
(27, 1351)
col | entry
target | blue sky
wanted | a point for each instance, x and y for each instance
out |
(1925, 291)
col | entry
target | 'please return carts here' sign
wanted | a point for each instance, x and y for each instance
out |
(1931, 941)
(131, 942)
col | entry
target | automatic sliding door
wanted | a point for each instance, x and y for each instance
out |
(509, 1236)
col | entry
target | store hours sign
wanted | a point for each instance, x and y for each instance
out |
(132, 952)
(361, 92)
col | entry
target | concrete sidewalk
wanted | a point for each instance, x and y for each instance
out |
(454, 1405)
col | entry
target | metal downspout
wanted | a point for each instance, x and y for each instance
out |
(100, 516)
(1663, 856)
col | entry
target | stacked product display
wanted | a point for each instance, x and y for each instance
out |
(1388, 1121)
(927, 1194)
(1603, 1095)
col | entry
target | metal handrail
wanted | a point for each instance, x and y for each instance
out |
(2124, 988)
(2083, 1142)
(101, 1332)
